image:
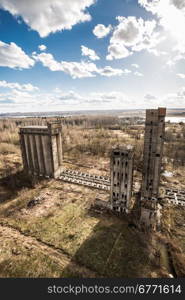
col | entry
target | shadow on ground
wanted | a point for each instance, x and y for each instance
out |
(113, 249)
(12, 184)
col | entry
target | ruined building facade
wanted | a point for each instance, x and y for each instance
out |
(152, 158)
(121, 167)
(41, 148)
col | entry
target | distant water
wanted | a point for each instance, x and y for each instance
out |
(175, 119)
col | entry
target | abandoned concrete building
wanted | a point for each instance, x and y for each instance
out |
(41, 148)
(121, 169)
(152, 158)
(42, 156)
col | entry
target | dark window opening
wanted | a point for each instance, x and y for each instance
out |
(116, 153)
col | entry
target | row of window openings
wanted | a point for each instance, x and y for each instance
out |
(118, 184)
(152, 122)
(118, 163)
(117, 195)
(122, 154)
(114, 174)
(121, 209)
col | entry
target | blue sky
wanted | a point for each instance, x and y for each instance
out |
(91, 54)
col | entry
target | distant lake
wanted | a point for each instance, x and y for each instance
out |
(175, 119)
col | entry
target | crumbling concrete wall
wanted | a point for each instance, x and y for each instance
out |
(121, 169)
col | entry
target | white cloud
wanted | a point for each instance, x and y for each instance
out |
(90, 53)
(42, 47)
(69, 100)
(117, 51)
(49, 16)
(13, 56)
(109, 72)
(138, 74)
(126, 71)
(171, 16)
(129, 31)
(48, 60)
(176, 99)
(14, 85)
(135, 66)
(77, 69)
(179, 3)
(17, 100)
(101, 30)
(149, 97)
(132, 34)
(181, 75)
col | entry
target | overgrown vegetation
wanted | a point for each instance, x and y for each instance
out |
(64, 222)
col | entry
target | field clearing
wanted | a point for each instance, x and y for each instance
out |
(104, 244)
(62, 236)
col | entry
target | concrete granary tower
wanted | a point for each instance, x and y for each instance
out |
(41, 148)
(152, 158)
(121, 167)
(153, 151)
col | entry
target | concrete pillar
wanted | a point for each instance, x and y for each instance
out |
(59, 149)
(153, 150)
(152, 159)
(43, 162)
(23, 152)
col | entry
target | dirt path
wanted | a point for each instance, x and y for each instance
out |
(59, 256)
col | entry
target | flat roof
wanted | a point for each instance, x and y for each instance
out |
(35, 127)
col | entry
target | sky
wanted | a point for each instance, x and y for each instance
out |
(58, 55)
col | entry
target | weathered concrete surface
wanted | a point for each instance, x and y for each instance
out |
(41, 148)
(152, 158)
(121, 169)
